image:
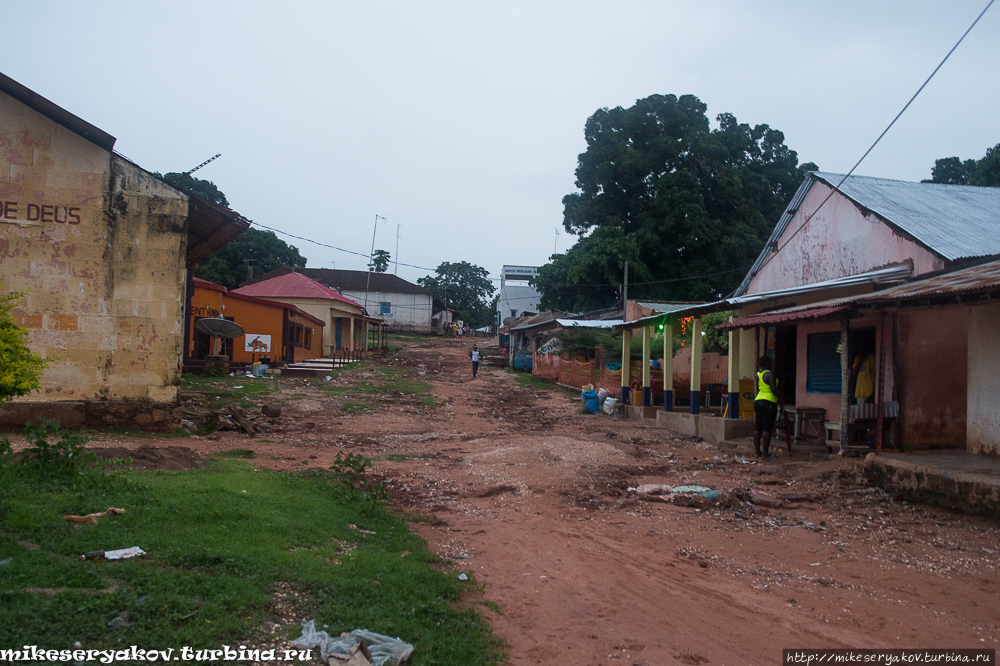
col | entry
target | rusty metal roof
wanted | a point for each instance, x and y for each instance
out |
(777, 317)
(980, 279)
(962, 284)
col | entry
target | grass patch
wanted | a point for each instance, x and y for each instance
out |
(357, 407)
(218, 542)
(244, 454)
(430, 402)
(534, 382)
(222, 391)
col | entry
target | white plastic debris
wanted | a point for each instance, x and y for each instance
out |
(463, 577)
(123, 553)
(385, 650)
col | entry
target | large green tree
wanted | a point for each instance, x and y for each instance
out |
(696, 203)
(464, 287)
(263, 249)
(203, 188)
(984, 172)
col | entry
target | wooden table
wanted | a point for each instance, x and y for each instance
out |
(806, 416)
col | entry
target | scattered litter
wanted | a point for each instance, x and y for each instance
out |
(691, 489)
(328, 378)
(383, 650)
(989, 551)
(123, 553)
(463, 556)
(363, 531)
(236, 387)
(91, 518)
(6, 562)
(654, 489)
(815, 564)
(759, 587)
(463, 577)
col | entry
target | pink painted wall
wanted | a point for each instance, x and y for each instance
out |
(840, 240)
(831, 401)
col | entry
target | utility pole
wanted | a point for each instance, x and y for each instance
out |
(369, 280)
(555, 243)
(396, 256)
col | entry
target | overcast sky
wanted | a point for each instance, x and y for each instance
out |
(461, 122)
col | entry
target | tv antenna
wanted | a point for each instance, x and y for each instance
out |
(210, 159)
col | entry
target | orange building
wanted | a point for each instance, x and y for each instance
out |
(279, 331)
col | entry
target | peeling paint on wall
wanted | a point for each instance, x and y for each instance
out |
(99, 245)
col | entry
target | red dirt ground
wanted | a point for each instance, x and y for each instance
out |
(532, 497)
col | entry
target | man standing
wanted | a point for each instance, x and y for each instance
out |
(474, 355)
(765, 408)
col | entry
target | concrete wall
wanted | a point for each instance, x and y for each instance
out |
(839, 240)
(983, 412)
(99, 245)
(932, 384)
(408, 310)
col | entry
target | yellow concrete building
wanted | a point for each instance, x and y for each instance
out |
(102, 248)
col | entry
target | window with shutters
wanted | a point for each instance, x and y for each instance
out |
(823, 371)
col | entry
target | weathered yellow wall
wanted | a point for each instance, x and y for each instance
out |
(99, 245)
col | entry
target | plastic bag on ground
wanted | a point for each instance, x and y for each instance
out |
(385, 650)
(609, 405)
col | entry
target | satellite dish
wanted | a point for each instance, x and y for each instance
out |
(509, 321)
(219, 328)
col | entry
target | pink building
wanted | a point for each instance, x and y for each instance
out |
(897, 269)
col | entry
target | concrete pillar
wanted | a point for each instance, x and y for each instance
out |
(696, 366)
(647, 391)
(734, 372)
(668, 366)
(352, 335)
(626, 357)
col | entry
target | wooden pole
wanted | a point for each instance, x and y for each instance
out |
(845, 383)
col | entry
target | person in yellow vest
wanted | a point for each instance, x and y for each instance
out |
(765, 408)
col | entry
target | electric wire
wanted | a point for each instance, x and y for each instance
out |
(836, 188)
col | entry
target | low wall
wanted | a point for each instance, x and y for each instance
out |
(150, 416)
(713, 429)
(965, 482)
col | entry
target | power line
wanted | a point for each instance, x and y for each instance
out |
(836, 188)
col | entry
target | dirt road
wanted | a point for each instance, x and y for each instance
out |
(533, 498)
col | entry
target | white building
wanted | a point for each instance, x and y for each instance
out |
(403, 305)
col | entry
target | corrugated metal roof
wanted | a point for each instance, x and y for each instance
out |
(589, 323)
(982, 278)
(770, 318)
(292, 285)
(975, 280)
(664, 306)
(954, 221)
(880, 276)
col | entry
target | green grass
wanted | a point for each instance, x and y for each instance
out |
(244, 454)
(217, 541)
(430, 402)
(528, 380)
(222, 391)
(357, 407)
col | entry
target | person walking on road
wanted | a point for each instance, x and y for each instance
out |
(474, 355)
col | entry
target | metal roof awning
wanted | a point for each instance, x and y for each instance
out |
(781, 317)
(588, 323)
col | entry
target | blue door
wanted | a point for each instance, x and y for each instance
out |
(336, 333)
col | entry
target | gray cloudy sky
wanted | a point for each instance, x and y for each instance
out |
(462, 121)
